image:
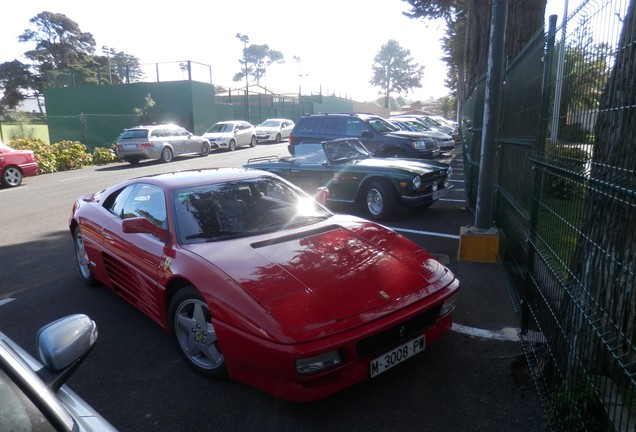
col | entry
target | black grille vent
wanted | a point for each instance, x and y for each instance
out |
(401, 332)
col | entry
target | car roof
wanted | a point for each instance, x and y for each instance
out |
(181, 179)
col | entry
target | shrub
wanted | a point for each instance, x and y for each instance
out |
(71, 155)
(103, 156)
(47, 160)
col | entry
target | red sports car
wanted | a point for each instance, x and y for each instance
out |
(258, 281)
(15, 165)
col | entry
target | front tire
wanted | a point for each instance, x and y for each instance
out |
(379, 201)
(81, 257)
(194, 334)
(205, 149)
(12, 177)
(278, 138)
(166, 155)
(232, 145)
(253, 141)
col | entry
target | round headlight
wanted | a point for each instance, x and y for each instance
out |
(417, 182)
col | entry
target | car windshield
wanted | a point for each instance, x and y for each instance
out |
(340, 150)
(220, 127)
(271, 123)
(241, 208)
(381, 126)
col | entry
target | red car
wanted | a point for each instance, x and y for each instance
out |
(15, 165)
(258, 281)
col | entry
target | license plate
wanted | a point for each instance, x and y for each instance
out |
(440, 193)
(130, 146)
(396, 356)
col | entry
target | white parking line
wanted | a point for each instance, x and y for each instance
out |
(73, 178)
(505, 334)
(5, 301)
(428, 233)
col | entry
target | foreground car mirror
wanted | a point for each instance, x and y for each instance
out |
(63, 345)
(141, 225)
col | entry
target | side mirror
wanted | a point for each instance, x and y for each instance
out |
(141, 225)
(367, 134)
(63, 345)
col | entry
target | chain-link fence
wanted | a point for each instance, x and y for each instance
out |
(566, 205)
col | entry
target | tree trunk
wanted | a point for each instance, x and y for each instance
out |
(604, 259)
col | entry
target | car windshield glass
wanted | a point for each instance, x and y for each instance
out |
(241, 208)
(380, 125)
(271, 123)
(220, 127)
(340, 150)
(134, 134)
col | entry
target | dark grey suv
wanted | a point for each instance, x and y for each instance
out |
(380, 137)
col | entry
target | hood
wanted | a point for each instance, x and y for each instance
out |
(415, 166)
(407, 134)
(218, 134)
(267, 128)
(329, 273)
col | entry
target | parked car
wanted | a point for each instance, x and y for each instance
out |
(348, 172)
(33, 396)
(257, 281)
(435, 125)
(162, 142)
(377, 135)
(445, 142)
(15, 165)
(274, 130)
(229, 135)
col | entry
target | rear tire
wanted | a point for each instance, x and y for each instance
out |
(166, 155)
(12, 177)
(81, 257)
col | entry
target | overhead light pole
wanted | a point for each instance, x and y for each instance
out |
(299, 93)
(106, 50)
(245, 39)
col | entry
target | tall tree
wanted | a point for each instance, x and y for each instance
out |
(16, 84)
(468, 31)
(259, 58)
(394, 71)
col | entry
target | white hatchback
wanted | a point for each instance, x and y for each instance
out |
(229, 135)
(274, 129)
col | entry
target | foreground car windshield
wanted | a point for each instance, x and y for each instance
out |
(222, 211)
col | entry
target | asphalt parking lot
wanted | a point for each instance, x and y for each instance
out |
(473, 379)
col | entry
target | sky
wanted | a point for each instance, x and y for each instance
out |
(336, 40)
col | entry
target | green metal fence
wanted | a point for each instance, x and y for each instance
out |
(566, 205)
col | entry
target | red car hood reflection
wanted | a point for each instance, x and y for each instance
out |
(328, 274)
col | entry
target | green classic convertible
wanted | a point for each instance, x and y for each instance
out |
(342, 170)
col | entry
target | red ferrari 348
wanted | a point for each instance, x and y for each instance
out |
(258, 281)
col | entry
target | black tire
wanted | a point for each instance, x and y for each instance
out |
(11, 177)
(205, 149)
(253, 141)
(278, 139)
(166, 155)
(379, 200)
(232, 145)
(81, 257)
(194, 334)
(134, 161)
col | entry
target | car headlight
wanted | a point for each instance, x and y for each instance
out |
(319, 363)
(421, 145)
(417, 182)
(448, 305)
